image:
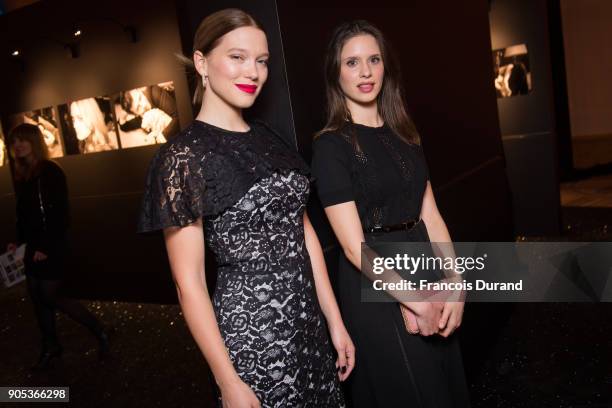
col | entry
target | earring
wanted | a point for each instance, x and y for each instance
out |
(205, 80)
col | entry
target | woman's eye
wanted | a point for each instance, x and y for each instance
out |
(375, 60)
(351, 63)
(263, 62)
(237, 57)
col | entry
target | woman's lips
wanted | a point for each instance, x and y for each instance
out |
(365, 88)
(247, 88)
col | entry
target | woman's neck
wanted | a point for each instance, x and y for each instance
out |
(365, 114)
(217, 112)
(26, 166)
(29, 161)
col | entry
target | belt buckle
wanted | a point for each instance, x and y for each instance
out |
(377, 228)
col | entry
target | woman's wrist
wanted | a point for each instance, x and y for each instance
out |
(228, 380)
(415, 307)
(334, 322)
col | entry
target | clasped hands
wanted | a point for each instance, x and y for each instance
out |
(428, 318)
(435, 317)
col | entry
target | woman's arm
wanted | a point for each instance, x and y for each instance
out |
(185, 247)
(452, 313)
(345, 222)
(436, 227)
(342, 342)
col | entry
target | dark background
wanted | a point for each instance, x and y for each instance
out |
(453, 105)
(494, 164)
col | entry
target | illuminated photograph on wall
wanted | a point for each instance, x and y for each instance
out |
(511, 71)
(88, 126)
(3, 151)
(146, 115)
(47, 121)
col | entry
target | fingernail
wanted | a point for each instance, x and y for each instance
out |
(343, 370)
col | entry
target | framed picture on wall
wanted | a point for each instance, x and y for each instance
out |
(146, 115)
(511, 71)
(3, 149)
(47, 121)
(88, 125)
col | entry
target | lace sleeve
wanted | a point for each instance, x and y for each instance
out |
(174, 189)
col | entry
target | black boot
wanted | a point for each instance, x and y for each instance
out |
(45, 360)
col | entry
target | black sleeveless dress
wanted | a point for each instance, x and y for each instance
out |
(251, 189)
(387, 179)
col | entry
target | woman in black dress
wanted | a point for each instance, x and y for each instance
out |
(371, 175)
(42, 224)
(244, 189)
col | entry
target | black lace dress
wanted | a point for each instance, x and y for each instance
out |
(251, 188)
(387, 179)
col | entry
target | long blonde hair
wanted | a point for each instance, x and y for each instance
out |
(87, 111)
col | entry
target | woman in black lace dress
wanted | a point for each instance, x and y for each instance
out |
(241, 188)
(372, 180)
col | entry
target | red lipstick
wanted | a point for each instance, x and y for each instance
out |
(247, 88)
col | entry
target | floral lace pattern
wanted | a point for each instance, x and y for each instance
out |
(251, 191)
(205, 169)
(265, 299)
(373, 204)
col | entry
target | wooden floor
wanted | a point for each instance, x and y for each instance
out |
(592, 192)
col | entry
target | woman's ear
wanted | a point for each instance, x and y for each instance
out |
(200, 63)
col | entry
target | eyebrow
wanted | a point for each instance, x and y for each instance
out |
(354, 56)
(245, 51)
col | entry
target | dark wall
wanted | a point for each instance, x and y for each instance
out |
(109, 260)
(528, 122)
(445, 53)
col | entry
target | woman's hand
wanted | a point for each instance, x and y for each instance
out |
(428, 315)
(452, 315)
(409, 319)
(39, 256)
(238, 394)
(345, 348)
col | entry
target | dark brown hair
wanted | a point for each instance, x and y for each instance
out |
(390, 100)
(30, 133)
(209, 33)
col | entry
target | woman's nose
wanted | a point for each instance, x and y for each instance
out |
(251, 72)
(366, 72)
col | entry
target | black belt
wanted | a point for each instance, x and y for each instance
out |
(404, 226)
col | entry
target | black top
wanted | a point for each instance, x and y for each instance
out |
(43, 228)
(385, 176)
(205, 169)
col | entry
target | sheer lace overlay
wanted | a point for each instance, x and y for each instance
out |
(205, 170)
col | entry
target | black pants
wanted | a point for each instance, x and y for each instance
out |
(46, 299)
